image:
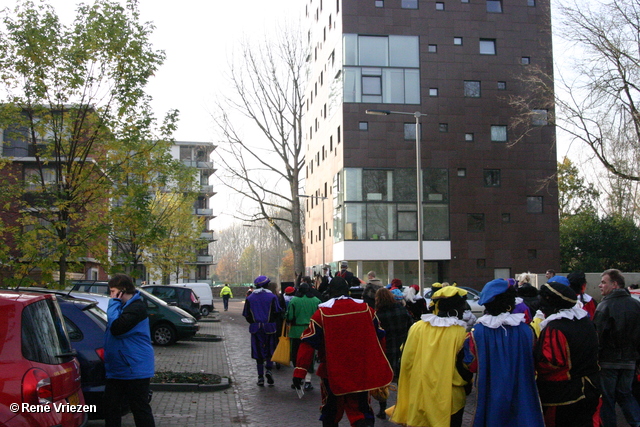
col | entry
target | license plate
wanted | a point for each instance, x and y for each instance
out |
(74, 399)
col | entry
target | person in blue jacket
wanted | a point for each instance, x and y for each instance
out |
(128, 354)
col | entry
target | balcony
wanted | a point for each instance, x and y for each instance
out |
(204, 259)
(204, 212)
(207, 235)
(207, 189)
(198, 164)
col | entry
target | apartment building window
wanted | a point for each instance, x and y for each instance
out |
(433, 91)
(494, 6)
(379, 3)
(498, 133)
(540, 117)
(487, 46)
(475, 222)
(33, 180)
(433, 48)
(363, 126)
(534, 204)
(531, 3)
(472, 89)
(525, 60)
(443, 127)
(506, 217)
(410, 131)
(439, 5)
(457, 41)
(371, 85)
(409, 4)
(491, 177)
(469, 137)
(532, 253)
(462, 172)
(382, 69)
(502, 85)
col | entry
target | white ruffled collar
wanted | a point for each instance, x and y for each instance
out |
(442, 322)
(258, 290)
(329, 303)
(503, 319)
(573, 313)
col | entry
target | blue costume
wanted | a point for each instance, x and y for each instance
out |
(261, 310)
(499, 349)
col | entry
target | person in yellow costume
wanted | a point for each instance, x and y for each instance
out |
(434, 383)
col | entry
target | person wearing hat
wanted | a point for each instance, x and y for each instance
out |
(350, 345)
(344, 273)
(617, 321)
(298, 315)
(428, 396)
(262, 310)
(566, 357)
(499, 349)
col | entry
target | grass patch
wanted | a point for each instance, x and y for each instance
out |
(186, 377)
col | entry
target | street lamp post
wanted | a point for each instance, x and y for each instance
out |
(323, 226)
(417, 115)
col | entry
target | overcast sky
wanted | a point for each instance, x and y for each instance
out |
(198, 37)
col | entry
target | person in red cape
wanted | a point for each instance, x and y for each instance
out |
(342, 330)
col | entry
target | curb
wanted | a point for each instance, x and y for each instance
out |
(190, 387)
(208, 320)
(197, 338)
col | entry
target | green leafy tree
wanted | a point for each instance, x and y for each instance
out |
(174, 250)
(139, 218)
(73, 93)
(590, 243)
(574, 195)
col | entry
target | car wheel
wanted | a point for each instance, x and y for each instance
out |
(163, 334)
(204, 311)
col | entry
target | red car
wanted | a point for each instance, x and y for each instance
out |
(39, 373)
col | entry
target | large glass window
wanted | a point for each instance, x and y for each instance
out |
(498, 133)
(379, 204)
(397, 78)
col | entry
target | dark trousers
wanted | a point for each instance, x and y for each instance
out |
(133, 392)
(225, 301)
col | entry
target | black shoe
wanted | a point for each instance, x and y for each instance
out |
(308, 386)
(261, 381)
(269, 377)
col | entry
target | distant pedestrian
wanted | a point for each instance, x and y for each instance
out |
(549, 274)
(499, 349)
(262, 311)
(350, 344)
(617, 321)
(344, 272)
(128, 354)
(226, 293)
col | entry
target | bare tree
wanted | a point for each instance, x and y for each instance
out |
(597, 97)
(267, 83)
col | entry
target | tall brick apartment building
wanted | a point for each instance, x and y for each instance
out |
(487, 212)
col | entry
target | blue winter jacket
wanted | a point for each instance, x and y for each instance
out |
(128, 354)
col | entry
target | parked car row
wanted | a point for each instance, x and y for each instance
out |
(52, 349)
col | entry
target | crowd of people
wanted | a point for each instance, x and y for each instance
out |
(543, 355)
